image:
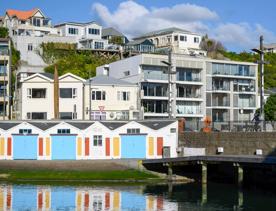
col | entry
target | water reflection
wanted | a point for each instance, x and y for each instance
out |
(153, 197)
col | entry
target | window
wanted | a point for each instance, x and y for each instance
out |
(133, 130)
(36, 93)
(25, 131)
(127, 73)
(183, 38)
(173, 130)
(65, 115)
(98, 95)
(176, 38)
(36, 22)
(97, 141)
(98, 45)
(37, 115)
(196, 39)
(123, 96)
(93, 31)
(30, 47)
(63, 131)
(45, 22)
(98, 115)
(72, 30)
(68, 92)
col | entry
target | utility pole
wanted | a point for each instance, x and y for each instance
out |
(262, 78)
(90, 105)
(5, 88)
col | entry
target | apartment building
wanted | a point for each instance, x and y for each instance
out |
(224, 90)
(86, 35)
(36, 97)
(5, 79)
(181, 41)
(111, 99)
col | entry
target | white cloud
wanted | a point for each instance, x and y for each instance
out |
(134, 19)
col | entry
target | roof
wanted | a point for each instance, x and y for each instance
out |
(140, 41)
(111, 32)
(81, 125)
(107, 80)
(43, 125)
(8, 125)
(156, 125)
(270, 46)
(22, 15)
(113, 125)
(48, 75)
(163, 31)
(76, 23)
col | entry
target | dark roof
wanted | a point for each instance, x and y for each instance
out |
(44, 125)
(107, 80)
(140, 41)
(111, 32)
(156, 125)
(81, 125)
(48, 75)
(163, 31)
(113, 125)
(75, 23)
(8, 125)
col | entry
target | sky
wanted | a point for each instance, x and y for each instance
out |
(236, 23)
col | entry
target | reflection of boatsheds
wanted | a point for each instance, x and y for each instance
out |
(73, 140)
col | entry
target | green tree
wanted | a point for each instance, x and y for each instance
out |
(4, 33)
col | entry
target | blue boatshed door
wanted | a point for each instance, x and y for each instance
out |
(25, 147)
(133, 146)
(63, 147)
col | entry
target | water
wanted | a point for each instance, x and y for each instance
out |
(153, 197)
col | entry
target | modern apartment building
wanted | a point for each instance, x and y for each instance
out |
(86, 35)
(5, 79)
(224, 90)
(181, 41)
(111, 99)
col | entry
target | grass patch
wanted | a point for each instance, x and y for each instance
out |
(46, 175)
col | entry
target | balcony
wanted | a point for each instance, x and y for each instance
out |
(220, 100)
(232, 70)
(244, 101)
(188, 108)
(189, 75)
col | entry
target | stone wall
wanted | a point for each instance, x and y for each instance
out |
(233, 143)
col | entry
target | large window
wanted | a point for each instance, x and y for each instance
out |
(99, 45)
(30, 47)
(196, 39)
(123, 96)
(73, 31)
(97, 141)
(36, 93)
(151, 89)
(186, 74)
(183, 38)
(65, 115)
(36, 22)
(98, 95)
(93, 31)
(3, 70)
(68, 92)
(37, 115)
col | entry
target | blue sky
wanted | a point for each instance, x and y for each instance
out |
(236, 23)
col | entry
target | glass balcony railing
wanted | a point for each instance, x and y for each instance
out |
(221, 103)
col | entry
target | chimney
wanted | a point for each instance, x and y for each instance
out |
(56, 94)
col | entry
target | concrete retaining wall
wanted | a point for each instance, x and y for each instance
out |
(233, 143)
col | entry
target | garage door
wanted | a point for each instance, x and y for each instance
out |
(25, 147)
(63, 147)
(133, 146)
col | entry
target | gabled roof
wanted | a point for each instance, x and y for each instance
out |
(164, 31)
(8, 125)
(76, 23)
(113, 125)
(156, 125)
(21, 15)
(111, 32)
(140, 41)
(46, 76)
(107, 80)
(43, 125)
(72, 75)
(81, 125)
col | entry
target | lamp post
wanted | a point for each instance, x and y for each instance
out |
(261, 64)
(170, 82)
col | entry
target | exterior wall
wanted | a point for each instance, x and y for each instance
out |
(84, 148)
(111, 103)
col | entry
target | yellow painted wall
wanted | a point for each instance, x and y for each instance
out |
(116, 146)
(2, 146)
(79, 146)
(48, 146)
(116, 200)
(47, 199)
(1, 199)
(151, 146)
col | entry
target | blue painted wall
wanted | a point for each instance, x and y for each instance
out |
(24, 147)
(63, 147)
(133, 146)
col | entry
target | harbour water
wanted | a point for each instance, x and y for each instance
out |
(142, 197)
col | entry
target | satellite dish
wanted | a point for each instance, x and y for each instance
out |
(131, 108)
